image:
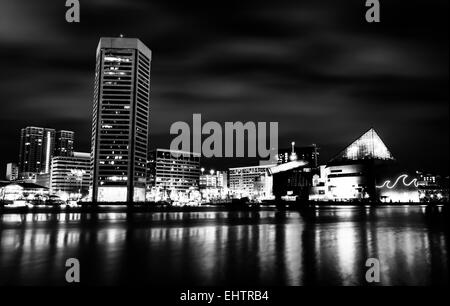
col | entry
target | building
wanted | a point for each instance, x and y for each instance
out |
(253, 182)
(293, 174)
(306, 153)
(36, 150)
(292, 180)
(12, 171)
(64, 143)
(213, 185)
(213, 179)
(120, 120)
(13, 191)
(70, 175)
(432, 188)
(364, 170)
(42, 179)
(173, 170)
(352, 174)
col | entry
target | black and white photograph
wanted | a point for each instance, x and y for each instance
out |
(220, 152)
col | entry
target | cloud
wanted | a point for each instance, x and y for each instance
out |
(315, 67)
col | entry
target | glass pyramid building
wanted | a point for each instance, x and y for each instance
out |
(367, 147)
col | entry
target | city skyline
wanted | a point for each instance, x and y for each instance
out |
(224, 151)
(265, 71)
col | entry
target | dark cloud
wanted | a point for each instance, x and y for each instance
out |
(316, 67)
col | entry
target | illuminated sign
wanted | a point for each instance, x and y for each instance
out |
(403, 178)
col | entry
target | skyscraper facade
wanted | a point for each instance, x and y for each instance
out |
(36, 150)
(64, 143)
(120, 120)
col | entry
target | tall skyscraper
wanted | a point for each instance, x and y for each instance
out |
(64, 143)
(120, 120)
(36, 150)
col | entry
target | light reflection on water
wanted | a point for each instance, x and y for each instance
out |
(325, 247)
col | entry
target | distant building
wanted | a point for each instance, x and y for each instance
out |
(252, 182)
(36, 150)
(292, 180)
(365, 170)
(120, 120)
(70, 175)
(432, 188)
(174, 170)
(12, 191)
(213, 179)
(42, 179)
(12, 171)
(213, 185)
(64, 143)
(306, 153)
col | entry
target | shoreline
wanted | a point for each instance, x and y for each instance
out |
(241, 207)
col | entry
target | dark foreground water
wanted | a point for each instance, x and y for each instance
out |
(322, 247)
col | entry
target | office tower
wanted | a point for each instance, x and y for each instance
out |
(120, 120)
(12, 171)
(64, 143)
(36, 150)
(71, 174)
(174, 170)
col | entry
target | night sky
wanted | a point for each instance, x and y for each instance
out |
(316, 67)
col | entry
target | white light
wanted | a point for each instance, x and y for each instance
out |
(404, 176)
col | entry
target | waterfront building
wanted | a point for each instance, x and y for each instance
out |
(213, 185)
(306, 153)
(364, 170)
(13, 191)
(352, 174)
(12, 171)
(432, 188)
(177, 171)
(253, 182)
(70, 175)
(120, 120)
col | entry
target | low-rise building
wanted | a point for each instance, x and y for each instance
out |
(70, 175)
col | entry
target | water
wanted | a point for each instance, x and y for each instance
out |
(324, 247)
